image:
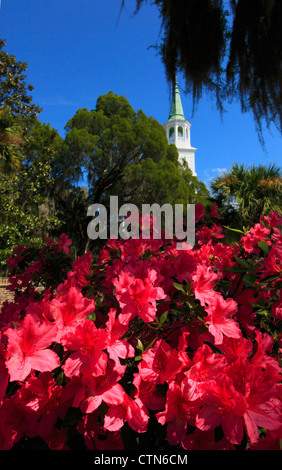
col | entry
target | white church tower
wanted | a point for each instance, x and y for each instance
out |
(178, 131)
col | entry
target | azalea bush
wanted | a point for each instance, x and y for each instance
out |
(145, 346)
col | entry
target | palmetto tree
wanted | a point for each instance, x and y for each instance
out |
(246, 193)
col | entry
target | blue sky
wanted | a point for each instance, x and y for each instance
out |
(77, 50)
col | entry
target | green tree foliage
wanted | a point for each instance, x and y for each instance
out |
(161, 182)
(27, 151)
(27, 214)
(244, 194)
(16, 109)
(10, 142)
(198, 192)
(14, 91)
(71, 203)
(103, 142)
(121, 152)
(232, 49)
(166, 181)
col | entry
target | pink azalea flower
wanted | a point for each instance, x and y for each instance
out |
(16, 422)
(261, 394)
(272, 219)
(70, 309)
(40, 394)
(199, 212)
(185, 265)
(224, 406)
(27, 348)
(147, 392)
(265, 417)
(137, 297)
(205, 440)
(273, 262)
(160, 364)
(203, 283)
(81, 271)
(179, 412)
(135, 248)
(63, 244)
(204, 235)
(116, 347)
(249, 242)
(277, 235)
(4, 375)
(88, 344)
(206, 365)
(264, 408)
(214, 212)
(101, 389)
(218, 319)
(234, 348)
(97, 437)
(13, 261)
(259, 232)
(131, 411)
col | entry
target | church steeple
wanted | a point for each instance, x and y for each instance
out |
(178, 130)
(176, 110)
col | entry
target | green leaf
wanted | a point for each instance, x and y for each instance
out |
(151, 343)
(263, 313)
(263, 246)
(179, 287)
(243, 262)
(269, 279)
(189, 305)
(60, 378)
(236, 269)
(249, 280)
(140, 346)
(163, 318)
(234, 230)
(91, 316)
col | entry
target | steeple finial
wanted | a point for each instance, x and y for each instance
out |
(176, 110)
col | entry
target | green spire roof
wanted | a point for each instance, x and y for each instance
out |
(176, 110)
